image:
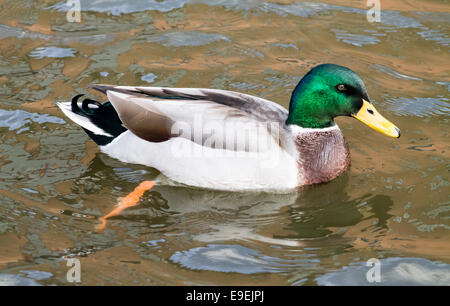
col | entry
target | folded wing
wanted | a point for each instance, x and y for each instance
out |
(213, 118)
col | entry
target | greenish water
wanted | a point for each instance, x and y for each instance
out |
(392, 204)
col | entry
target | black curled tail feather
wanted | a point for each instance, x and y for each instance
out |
(103, 115)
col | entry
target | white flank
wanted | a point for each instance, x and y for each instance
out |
(212, 170)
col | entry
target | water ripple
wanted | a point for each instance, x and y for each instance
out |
(25, 278)
(53, 52)
(300, 9)
(235, 258)
(420, 107)
(190, 38)
(15, 119)
(355, 39)
(116, 8)
(437, 36)
(6, 31)
(394, 271)
(394, 73)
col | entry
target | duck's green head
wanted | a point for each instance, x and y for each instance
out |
(328, 91)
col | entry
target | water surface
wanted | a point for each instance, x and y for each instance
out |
(392, 204)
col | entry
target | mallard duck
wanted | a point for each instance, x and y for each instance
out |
(227, 140)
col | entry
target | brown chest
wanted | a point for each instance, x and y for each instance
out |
(322, 157)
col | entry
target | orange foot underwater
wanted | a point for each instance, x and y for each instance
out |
(128, 201)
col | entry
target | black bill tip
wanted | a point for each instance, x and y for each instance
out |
(398, 131)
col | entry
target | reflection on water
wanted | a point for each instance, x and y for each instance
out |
(55, 184)
(420, 107)
(14, 120)
(24, 278)
(235, 258)
(355, 39)
(183, 39)
(52, 52)
(405, 271)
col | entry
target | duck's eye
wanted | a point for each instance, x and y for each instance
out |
(341, 87)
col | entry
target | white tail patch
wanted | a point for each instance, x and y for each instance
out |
(66, 108)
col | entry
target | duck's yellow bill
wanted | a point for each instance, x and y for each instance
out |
(369, 115)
